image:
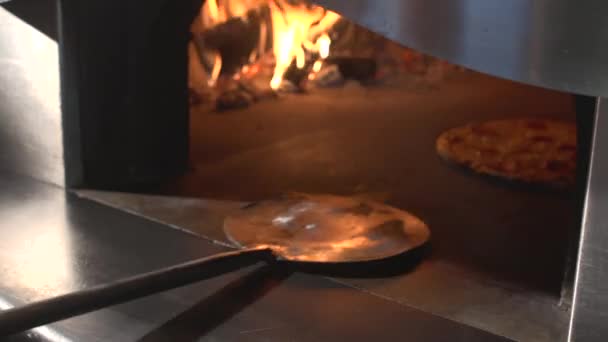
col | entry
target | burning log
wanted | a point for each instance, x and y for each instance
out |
(258, 88)
(233, 40)
(297, 76)
(233, 99)
(329, 76)
(361, 69)
(240, 93)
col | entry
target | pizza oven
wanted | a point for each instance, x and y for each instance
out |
(179, 111)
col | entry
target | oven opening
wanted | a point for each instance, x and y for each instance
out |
(287, 97)
(290, 97)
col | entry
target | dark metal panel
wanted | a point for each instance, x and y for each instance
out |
(30, 114)
(585, 116)
(558, 44)
(589, 313)
(52, 242)
(124, 74)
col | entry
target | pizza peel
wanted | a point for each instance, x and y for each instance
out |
(310, 229)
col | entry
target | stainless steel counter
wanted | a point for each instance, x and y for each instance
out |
(52, 243)
(436, 285)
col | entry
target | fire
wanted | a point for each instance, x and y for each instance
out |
(324, 42)
(217, 68)
(215, 12)
(299, 31)
(316, 68)
(295, 27)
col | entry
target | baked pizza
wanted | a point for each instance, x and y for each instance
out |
(540, 151)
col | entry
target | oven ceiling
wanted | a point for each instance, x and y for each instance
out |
(558, 44)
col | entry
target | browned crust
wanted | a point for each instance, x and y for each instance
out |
(502, 148)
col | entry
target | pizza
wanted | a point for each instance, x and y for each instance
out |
(539, 151)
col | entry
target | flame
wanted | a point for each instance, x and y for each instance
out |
(297, 30)
(324, 42)
(317, 67)
(215, 12)
(294, 29)
(217, 68)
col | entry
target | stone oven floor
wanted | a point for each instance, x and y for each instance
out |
(380, 143)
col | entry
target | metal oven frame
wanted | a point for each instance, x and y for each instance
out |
(550, 43)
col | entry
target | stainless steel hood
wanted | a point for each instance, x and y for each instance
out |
(558, 44)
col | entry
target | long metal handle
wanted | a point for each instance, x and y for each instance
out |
(57, 308)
